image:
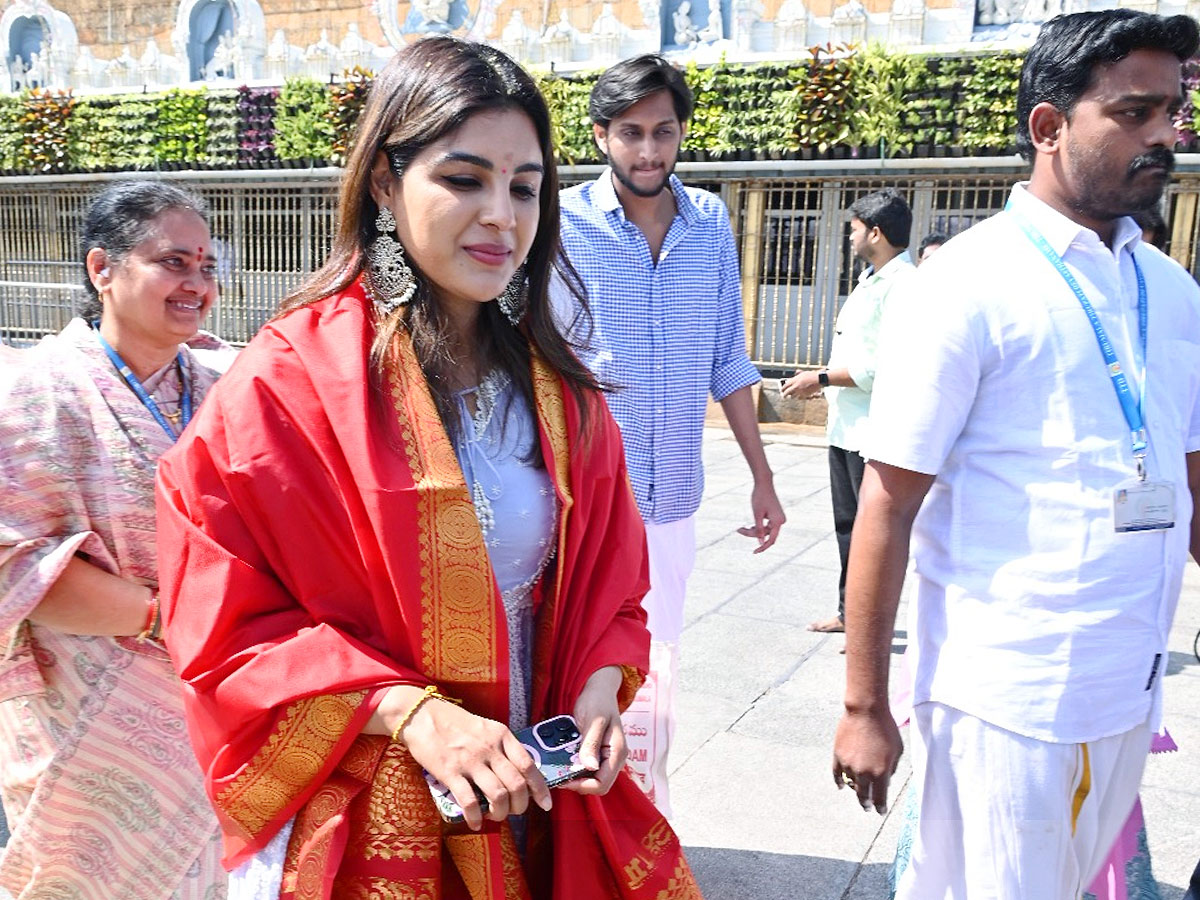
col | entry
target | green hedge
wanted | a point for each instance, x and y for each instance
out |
(836, 101)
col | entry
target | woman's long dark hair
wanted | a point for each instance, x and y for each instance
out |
(427, 91)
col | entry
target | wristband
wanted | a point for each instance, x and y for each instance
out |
(823, 378)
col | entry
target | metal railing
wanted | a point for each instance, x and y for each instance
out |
(789, 218)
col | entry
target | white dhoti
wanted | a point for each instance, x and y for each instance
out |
(650, 719)
(1006, 817)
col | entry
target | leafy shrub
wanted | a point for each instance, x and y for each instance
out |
(44, 133)
(303, 120)
(222, 149)
(11, 110)
(182, 126)
(570, 124)
(348, 98)
(256, 125)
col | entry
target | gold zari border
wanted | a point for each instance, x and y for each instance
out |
(459, 606)
(291, 758)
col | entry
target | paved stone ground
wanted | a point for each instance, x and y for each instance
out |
(760, 697)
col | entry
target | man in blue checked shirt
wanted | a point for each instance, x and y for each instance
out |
(661, 271)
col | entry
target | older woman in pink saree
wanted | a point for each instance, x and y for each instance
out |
(101, 791)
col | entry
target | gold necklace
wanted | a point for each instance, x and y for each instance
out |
(175, 417)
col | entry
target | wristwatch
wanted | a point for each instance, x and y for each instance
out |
(823, 378)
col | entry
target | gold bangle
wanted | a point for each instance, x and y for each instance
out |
(152, 630)
(431, 693)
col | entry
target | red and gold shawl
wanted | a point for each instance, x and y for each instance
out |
(314, 551)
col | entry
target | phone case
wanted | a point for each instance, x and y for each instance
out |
(554, 746)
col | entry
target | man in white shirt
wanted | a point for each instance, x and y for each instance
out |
(1046, 462)
(880, 225)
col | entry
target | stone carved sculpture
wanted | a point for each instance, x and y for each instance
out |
(223, 62)
(652, 13)
(484, 23)
(122, 71)
(559, 39)
(514, 39)
(849, 23)
(433, 12)
(714, 30)
(606, 34)
(84, 72)
(791, 26)
(686, 33)
(746, 16)
(354, 50)
(1034, 12)
(907, 22)
(320, 59)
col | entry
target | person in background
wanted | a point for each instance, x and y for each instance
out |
(880, 226)
(402, 530)
(101, 791)
(1154, 228)
(660, 267)
(1035, 432)
(930, 244)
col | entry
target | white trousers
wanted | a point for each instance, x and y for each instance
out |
(1006, 817)
(650, 720)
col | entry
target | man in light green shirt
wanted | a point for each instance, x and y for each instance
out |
(880, 224)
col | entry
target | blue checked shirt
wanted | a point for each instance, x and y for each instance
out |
(666, 335)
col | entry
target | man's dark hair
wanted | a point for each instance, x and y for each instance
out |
(634, 79)
(933, 239)
(887, 211)
(1061, 65)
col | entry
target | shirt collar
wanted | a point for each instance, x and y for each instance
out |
(900, 260)
(604, 195)
(1060, 232)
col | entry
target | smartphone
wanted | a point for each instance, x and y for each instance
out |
(554, 745)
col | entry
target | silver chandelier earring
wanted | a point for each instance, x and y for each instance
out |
(392, 281)
(515, 298)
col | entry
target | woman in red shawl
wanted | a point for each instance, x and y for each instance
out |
(401, 528)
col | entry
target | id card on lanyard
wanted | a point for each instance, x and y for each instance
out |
(139, 390)
(1139, 503)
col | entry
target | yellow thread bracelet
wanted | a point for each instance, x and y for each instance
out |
(431, 693)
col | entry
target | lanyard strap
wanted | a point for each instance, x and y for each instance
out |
(185, 402)
(1129, 405)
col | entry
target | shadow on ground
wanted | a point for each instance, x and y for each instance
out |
(1177, 662)
(742, 874)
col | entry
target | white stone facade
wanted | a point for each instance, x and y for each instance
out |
(579, 36)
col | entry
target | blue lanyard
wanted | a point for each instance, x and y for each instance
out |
(185, 402)
(1131, 407)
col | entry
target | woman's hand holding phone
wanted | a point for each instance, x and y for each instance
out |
(461, 749)
(599, 719)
